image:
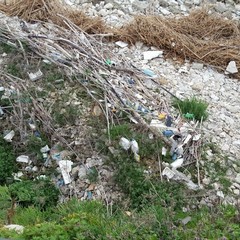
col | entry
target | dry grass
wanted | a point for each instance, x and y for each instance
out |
(202, 37)
(49, 10)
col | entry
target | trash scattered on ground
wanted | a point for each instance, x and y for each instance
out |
(149, 73)
(35, 76)
(125, 143)
(66, 167)
(178, 176)
(23, 159)
(9, 136)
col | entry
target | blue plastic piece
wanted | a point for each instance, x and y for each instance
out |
(89, 195)
(168, 133)
(149, 72)
(174, 156)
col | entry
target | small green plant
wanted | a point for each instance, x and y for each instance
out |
(92, 175)
(192, 108)
(14, 69)
(6, 48)
(7, 161)
(41, 193)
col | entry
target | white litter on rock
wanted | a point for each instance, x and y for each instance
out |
(164, 151)
(149, 55)
(66, 168)
(196, 137)
(231, 68)
(8, 137)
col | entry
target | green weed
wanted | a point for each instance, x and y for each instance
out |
(193, 106)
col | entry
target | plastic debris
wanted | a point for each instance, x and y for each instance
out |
(177, 163)
(121, 44)
(125, 143)
(23, 159)
(35, 76)
(189, 115)
(178, 176)
(66, 167)
(18, 228)
(37, 134)
(45, 149)
(168, 133)
(32, 126)
(134, 146)
(8, 137)
(89, 195)
(149, 55)
(164, 151)
(169, 121)
(196, 137)
(162, 116)
(186, 140)
(149, 73)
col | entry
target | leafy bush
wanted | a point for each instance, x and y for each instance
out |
(193, 106)
(41, 193)
(7, 161)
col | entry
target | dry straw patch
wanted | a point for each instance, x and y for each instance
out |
(202, 37)
(49, 10)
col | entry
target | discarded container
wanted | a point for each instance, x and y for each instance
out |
(35, 76)
(8, 137)
(23, 159)
(125, 143)
(168, 133)
(66, 167)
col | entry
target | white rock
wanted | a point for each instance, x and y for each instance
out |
(18, 228)
(231, 68)
(196, 65)
(236, 191)
(165, 11)
(108, 6)
(220, 194)
(237, 178)
(149, 55)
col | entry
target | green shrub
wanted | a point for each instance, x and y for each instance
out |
(41, 193)
(193, 106)
(7, 161)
